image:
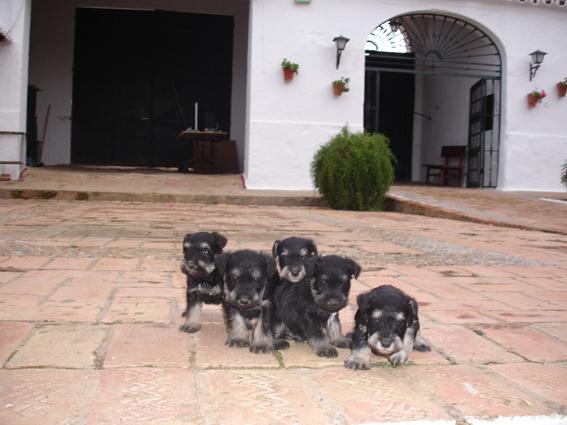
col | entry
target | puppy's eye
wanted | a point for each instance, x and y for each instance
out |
(206, 250)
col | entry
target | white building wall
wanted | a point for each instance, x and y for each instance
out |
(288, 122)
(14, 23)
(52, 51)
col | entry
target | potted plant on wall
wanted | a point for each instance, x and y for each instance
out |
(340, 86)
(289, 69)
(562, 87)
(535, 97)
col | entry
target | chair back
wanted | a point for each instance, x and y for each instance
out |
(449, 153)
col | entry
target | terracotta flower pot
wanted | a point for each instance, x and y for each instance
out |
(288, 74)
(337, 89)
(561, 89)
(532, 100)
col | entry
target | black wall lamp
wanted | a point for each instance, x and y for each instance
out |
(537, 59)
(341, 42)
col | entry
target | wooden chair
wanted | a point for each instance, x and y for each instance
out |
(453, 167)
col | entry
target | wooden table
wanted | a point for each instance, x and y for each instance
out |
(203, 152)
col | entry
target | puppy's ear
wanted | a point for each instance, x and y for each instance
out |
(362, 300)
(275, 249)
(186, 240)
(312, 247)
(309, 263)
(220, 239)
(271, 266)
(353, 267)
(220, 262)
(412, 308)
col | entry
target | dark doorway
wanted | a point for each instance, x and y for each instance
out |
(482, 162)
(137, 76)
(389, 104)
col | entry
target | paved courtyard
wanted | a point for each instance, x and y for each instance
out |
(91, 296)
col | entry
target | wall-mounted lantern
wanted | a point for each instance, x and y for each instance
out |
(537, 59)
(340, 42)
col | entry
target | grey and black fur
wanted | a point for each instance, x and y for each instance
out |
(386, 324)
(290, 255)
(308, 310)
(249, 279)
(204, 284)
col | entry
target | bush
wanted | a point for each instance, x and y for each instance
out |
(564, 174)
(354, 171)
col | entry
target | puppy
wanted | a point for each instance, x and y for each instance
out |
(204, 284)
(290, 255)
(387, 324)
(308, 310)
(249, 278)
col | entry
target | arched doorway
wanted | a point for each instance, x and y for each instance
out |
(433, 80)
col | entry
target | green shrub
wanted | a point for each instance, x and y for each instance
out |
(354, 171)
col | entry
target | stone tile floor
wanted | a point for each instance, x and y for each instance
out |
(91, 296)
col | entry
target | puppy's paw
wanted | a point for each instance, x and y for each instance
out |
(261, 348)
(344, 342)
(190, 328)
(356, 363)
(421, 345)
(281, 344)
(398, 358)
(235, 342)
(326, 351)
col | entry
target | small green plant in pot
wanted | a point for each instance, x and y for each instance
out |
(289, 69)
(354, 171)
(341, 86)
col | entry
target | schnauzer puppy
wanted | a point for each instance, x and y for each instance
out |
(308, 310)
(204, 284)
(387, 324)
(249, 278)
(290, 254)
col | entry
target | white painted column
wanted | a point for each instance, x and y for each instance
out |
(15, 25)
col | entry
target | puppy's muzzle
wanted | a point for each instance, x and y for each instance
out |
(383, 345)
(293, 274)
(333, 305)
(244, 302)
(197, 269)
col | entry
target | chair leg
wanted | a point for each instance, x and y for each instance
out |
(443, 177)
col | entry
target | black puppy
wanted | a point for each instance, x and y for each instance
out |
(249, 278)
(387, 324)
(290, 254)
(204, 284)
(308, 310)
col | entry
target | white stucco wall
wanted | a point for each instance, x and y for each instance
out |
(14, 22)
(288, 122)
(51, 62)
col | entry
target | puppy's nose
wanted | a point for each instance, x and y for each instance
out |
(386, 342)
(295, 271)
(244, 301)
(333, 304)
